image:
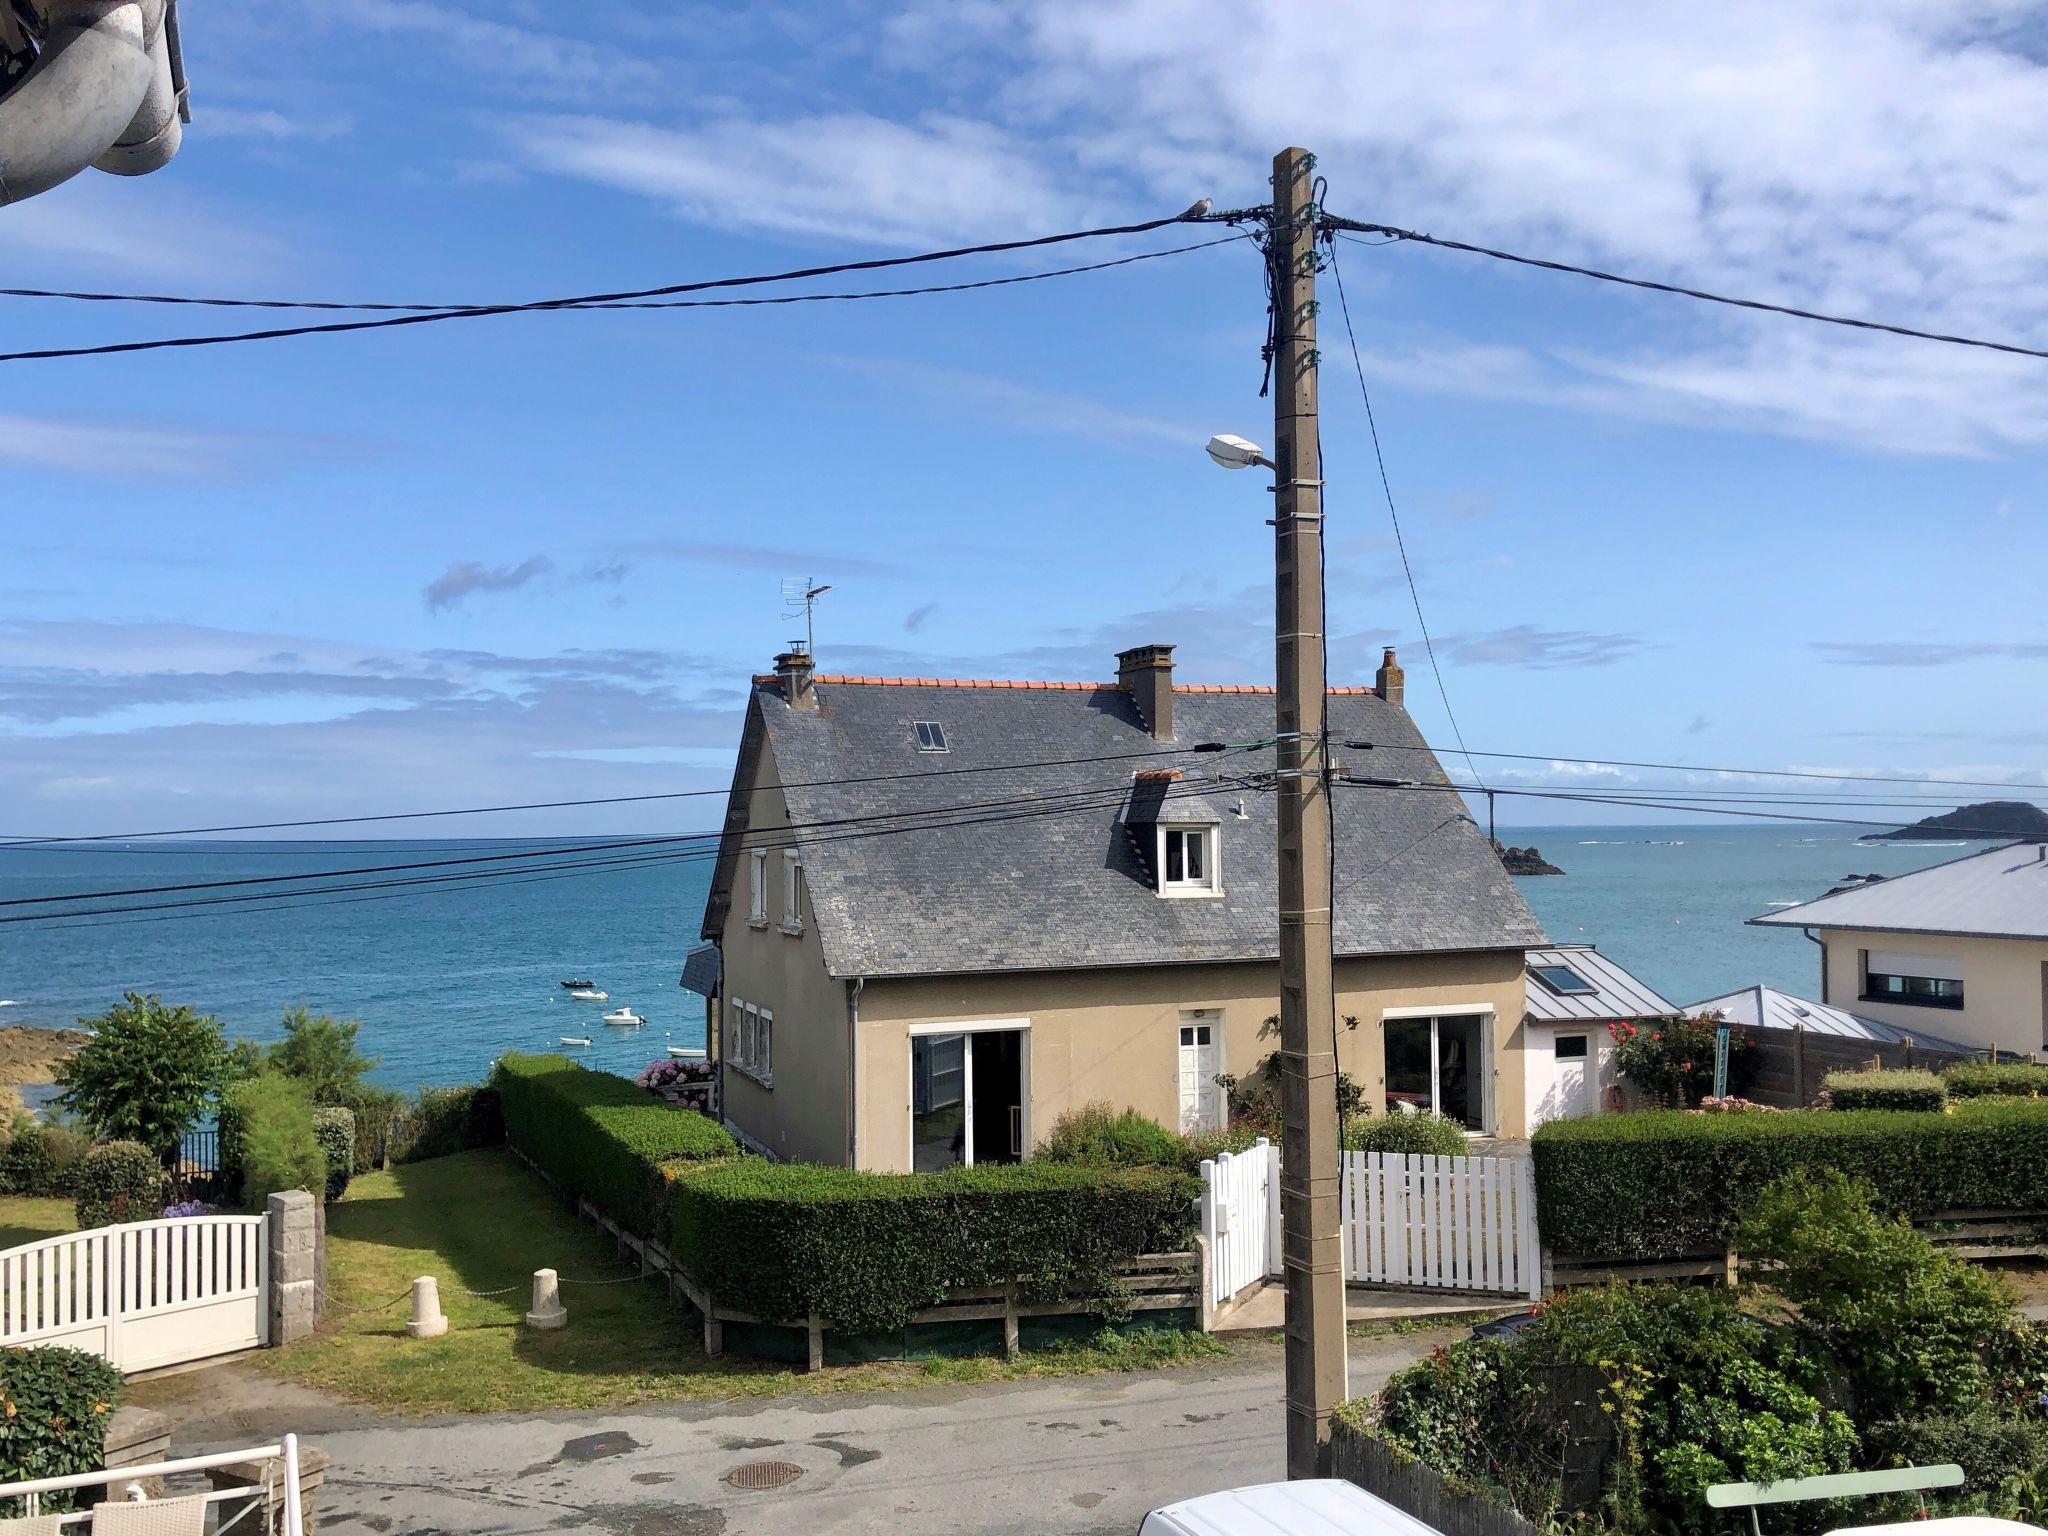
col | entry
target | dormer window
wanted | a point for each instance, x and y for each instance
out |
(1187, 861)
(931, 736)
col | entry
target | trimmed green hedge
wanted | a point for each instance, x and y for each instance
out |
(2005, 1079)
(866, 1251)
(119, 1181)
(603, 1137)
(1665, 1182)
(1897, 1088)
(335, 1129)
(58, 1402)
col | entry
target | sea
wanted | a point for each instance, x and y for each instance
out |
(446, 978)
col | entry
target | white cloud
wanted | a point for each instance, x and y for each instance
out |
(124, 450)
(265, 124)
(91, 223)
(556, 58)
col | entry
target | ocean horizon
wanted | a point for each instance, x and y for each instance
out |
(447, 978)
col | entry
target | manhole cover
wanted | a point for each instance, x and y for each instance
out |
(757, 1475)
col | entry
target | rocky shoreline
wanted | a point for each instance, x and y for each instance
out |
(31, 1055)
(1524, 861)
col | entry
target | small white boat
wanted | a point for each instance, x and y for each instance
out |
(591, 995)
(687, 1052)
(624, 1016)
(575, 1039)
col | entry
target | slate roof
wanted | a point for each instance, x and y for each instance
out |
(1768, 1008)
(1615, 995)
(1026, 890)
(1999, 893)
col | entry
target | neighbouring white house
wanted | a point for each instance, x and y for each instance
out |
(1574, 994)
(1959, 949)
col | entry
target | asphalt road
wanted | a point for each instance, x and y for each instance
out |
(1082, 1455)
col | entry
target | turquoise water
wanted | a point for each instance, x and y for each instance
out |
(446, 981)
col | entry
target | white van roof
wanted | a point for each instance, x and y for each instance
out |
(1312, 1507)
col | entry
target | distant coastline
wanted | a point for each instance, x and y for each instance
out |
(1988, 820)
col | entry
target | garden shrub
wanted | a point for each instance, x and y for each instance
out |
(57, 1402)
(1198, 1147)
(146, 1074)
(1657, 1391)
(1669, 1058)
(377, 1112)
(1665, 1182)
(1986, 1445)
(42, 1160)
(441, 1121)
(1101, 1136)
(1407, 1133)
(1897, 1088)
(334, 1128)
(2005, 1079)
(603, 1138)
(267, 1141)
(119, 1181)
(866, 1251)
(1910, 1325)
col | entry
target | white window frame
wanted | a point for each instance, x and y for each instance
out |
(971, 1027)
(792, 886)
(751, 1049)
(1489, 1046)
(757, 887)
(1211, 883)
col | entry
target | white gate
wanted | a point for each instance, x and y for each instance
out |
(1241, 1218)
(1459, 1223)
(145, 1294)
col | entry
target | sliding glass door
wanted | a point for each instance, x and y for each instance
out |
(966, 1098)
(1438, 1066)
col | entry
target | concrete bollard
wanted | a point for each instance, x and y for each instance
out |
(427, 1319)
(548, 1311)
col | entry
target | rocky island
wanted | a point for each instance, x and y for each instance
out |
(1524, 861)
(1993, 819)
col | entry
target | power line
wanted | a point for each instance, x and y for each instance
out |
(591, 300)
(672, 794)
(1335, 222)
(1759, 773)
(1400, 541)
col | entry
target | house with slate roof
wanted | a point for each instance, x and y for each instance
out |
(945, 911)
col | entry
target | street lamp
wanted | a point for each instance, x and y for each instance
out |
(1234, 452)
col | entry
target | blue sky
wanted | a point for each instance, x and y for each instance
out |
(536, 557)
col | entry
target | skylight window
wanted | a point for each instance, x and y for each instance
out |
(931, 736)
(1562, 980)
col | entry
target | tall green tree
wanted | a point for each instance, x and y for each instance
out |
(147, 1073)
(319, 1051)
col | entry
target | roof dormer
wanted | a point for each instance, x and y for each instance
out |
(1177, 833)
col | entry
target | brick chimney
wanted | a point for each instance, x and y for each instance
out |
(1145, 672)
(1389, 681)
(793, 669)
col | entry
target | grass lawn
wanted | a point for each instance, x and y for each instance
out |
(23, 1220)
(479, 1221)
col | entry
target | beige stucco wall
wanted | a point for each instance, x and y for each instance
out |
(1114, 1034)
(2005, 986)
(803, 1115)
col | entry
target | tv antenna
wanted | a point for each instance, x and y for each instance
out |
(800, 596)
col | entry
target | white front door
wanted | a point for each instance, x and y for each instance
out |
(1201, 1061)
(1565, 1078)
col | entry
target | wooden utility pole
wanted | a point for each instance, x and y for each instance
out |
(1309, 1216)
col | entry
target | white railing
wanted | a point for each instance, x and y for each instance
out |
(143, 1294)
(127, 1483)
(1241, 1218)
(1456, 1223)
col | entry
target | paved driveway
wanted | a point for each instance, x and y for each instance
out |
(1083, 1454)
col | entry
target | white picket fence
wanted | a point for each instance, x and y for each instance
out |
(1241, 1218)
(144, 1294)
(1456, 1223)
(1448, 1223)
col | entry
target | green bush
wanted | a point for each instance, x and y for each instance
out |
(320, 1051)
(42, 1160)
(146, 1074)
(1910, 1325)
(602, 1137)
(1905, 1089)
(2005, 1079)
(445, 1120)
(119, 1181)
(377, 1113)
(1198, 1147)
(1665, 1182)
(1669, 1058)
(57, 1405)
(267, 1141)
(1407, 1133)
(1101, 1136)
(334, 1128)
(868, 1250)
(1986, 1445)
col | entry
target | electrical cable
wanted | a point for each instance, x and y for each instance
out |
(1760, 773)
(586, 300)
(1400, 541)
(1335, 222)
